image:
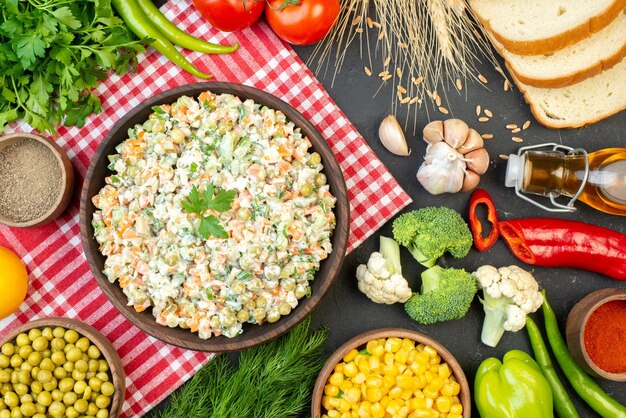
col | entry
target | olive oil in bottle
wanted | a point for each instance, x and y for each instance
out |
(552, 173)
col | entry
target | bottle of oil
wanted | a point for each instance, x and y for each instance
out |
(601, 183)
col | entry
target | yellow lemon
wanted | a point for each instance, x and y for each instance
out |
(13, 282)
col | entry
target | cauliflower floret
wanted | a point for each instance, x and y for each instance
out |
(381, 279)
(509, 294)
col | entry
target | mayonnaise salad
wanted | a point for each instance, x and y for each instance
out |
(279, 224)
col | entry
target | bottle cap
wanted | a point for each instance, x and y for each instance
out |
(514, 171)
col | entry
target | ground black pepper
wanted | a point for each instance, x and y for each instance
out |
(30, 180)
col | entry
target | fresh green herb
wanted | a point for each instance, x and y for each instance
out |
(193, 167)
(365, 352)
(340, 394)
(199, 203)
(53, 53)
(270, 380)
(209, 294)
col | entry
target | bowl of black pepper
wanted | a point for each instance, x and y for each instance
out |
(36, 180)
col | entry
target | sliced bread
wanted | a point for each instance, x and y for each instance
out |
(580, 104)
(533, 27)
(573, 64)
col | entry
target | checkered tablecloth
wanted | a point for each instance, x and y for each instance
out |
(61, 283)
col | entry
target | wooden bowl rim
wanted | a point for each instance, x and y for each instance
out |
(116, 368)
(575, 329)
(67, 179)
(334, 260)
(361, 339)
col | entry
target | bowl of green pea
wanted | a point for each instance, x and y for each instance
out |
(59, 367)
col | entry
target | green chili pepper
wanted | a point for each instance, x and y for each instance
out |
(138, 22)
(584, 385)
(178, 36)
(562, 402)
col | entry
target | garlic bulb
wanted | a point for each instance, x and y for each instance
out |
(455, 157)
(392, 137)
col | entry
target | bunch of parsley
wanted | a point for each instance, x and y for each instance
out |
(53, 53)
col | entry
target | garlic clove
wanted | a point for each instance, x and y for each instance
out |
(473, 141)
(433, 132)
(392, 136)
(470, 181)
(455, 132)
(477, 160)
(443, 169)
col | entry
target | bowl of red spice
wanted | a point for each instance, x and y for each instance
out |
(36, 180)
(596, 333)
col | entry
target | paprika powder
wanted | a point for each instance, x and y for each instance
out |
(605, 336)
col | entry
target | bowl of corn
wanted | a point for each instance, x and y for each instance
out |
(391, 372)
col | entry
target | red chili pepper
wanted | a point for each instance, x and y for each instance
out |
(552, 242)
(482, 243)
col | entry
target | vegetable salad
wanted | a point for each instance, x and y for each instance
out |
(279, 224)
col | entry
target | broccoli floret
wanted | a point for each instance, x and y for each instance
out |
(430, 232)
(446, 294)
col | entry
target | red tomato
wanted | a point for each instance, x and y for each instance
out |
(304, 23)
(230, 15)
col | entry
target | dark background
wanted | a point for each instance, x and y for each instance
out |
(348, 313)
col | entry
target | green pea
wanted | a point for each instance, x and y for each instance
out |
(25, 351)
(28, 409)
(80, 386)
(58, 358)
(89, 394)
(314, 159)
(36, 387)
(243, 315)
(67, 384)
(5, 361)
(92, 409)
(76, 375)
(68, 366)
(107, 389)
(83, 344)
(104, 366)
(47, 332)
(34, 358)
(103, 413)
(102, 376)
(306, 189)
(320, 179)
(47, 364)
(93, 352)
(20, 389)
(284, 308)
(57, 344)
(273, 316)
(95, 384)
(74, 354)
(40, 343)
(11, 399)
(71, 336)
(56, 409)
(81, 405)
(39, 414)
(102, 401)
(44, 398)
(69, 398)
(16, 413)
(51, 385)
(25, 398)
(244, 214)
(5, 413)
(24, 377)
(22, 339)
(16, 360)
(5, 376)
(259, 314)
(81, 366)
(57, 395)
(93, 365)
(8, 349)
(58, 332)
(44, 376)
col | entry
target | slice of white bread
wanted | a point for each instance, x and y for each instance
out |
(572, 64)
(580, 104)
(532, 27)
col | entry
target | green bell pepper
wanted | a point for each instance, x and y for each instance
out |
(512, 388)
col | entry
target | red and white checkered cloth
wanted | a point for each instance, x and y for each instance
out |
(61, 283)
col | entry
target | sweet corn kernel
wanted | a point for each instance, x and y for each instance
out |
(388, 381)
(393, 344)
(350, 369)
(371, 346)
(444, 370)
(346, 415)
(359, 378)
(421, 413)
(401, 367)
(352, 395)
(345, 385)
(443, 404)
(331, 390)
(421, 381)
(333, 403)
(377, 410)
(402, 356)
(325, 402)
(394, 406)
(365, 409)
(436, 359)
(406, 394)
(363, 364)
(456, 408)
(454, 416)
(430, 351)
(335, 379)
(350, 355)
(395, 392)
(339, 368)
(450, 388)
(334, 414)
(417, 367)
(385, 401)
(416, 403)
(373, 381)
(378, 351)
(405, 382)
(374, 395)
(344, 405)
(390, 370)
(407, 344)
(374, 363)
(388, 359)
(403, 412)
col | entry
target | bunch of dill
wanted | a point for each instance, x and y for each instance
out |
(270, 380)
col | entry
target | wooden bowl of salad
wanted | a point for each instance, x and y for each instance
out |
(416, 372)
(214, 216)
